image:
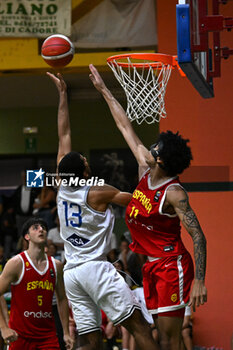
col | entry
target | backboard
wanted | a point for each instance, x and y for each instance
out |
(198, 41)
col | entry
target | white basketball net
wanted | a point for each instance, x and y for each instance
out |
(145, 89)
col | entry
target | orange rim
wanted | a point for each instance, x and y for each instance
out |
(156, 60)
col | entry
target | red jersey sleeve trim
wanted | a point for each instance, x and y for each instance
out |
(144, 173)
(160, 185)
(55, 268)
(163, 200)
(38, 271)
(22, 272)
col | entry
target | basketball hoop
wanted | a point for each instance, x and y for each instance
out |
(144, 78)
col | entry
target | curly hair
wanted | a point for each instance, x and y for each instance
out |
(174, 153)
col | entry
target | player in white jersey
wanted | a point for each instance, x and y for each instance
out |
(86, 220)
(90, 237)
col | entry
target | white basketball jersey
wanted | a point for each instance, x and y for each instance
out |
(85, 231)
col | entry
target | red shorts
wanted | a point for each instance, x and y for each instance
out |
(38, 344)
(167, 283)
(104, 321)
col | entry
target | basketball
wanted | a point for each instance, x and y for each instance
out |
(57, 50)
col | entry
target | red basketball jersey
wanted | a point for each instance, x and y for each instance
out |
(31, 303)
(154, 233)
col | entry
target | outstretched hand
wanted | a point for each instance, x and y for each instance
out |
(198, 294)
(58, 81)
(96, 78)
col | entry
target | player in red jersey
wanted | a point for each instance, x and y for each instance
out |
(153, 216)
(33, 277)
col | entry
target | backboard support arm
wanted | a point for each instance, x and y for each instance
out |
(196, 41)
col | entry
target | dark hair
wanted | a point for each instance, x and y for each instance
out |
(174, 153)
(72, 163)
(123, 239)
(33, 221)
(120, 262)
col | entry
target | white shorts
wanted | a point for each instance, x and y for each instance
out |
(97, 285)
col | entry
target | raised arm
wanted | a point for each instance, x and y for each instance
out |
(63, 121)
(122, 122)
(178, 198)
(99, 197)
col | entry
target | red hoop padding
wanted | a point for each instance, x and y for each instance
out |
(157, 60)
